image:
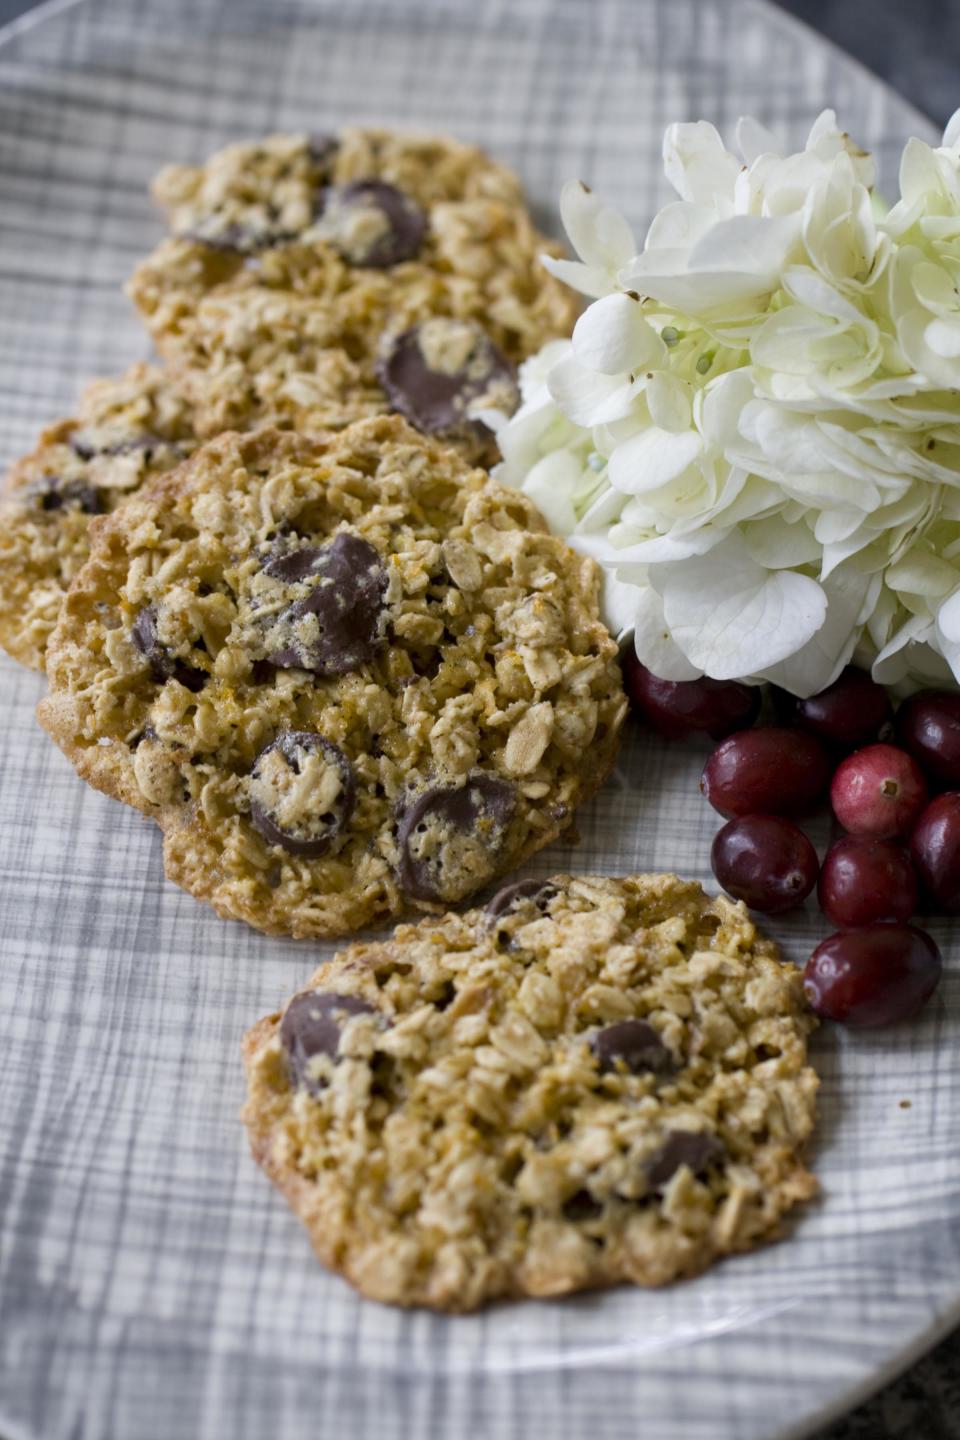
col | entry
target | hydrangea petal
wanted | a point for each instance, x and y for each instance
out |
(817, 664)
(618, 603)
(592, 280)
(943, 338)
(652, 459)
(754, 140)
(653, 642)
(737, 261)
(948, 619)
(731, 617)
(679, 224)
(612, 336)
(668, 401)
(586, 397)
(776, 544)
(551, 485)
(894, 662)
(696, 162)
(600, 235)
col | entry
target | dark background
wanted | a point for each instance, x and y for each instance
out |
(915, 46)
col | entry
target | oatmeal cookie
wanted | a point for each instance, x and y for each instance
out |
(309, 283)
(589, 1081)
(126, 431)
(346, 674)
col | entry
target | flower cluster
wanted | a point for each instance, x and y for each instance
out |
(756, 425)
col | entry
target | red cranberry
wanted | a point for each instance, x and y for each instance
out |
(766, 861)
(678, 708)
(935, 847)
(928, 725)
(878, 791)
(850, 712)
(863, 881)
(873, 976)
(769, 772)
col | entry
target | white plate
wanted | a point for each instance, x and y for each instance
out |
(152, 1285)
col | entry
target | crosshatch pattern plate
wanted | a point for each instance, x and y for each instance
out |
(152, 1285)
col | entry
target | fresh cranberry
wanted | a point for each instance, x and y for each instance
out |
(928, 725)
(935, 847)
(878, 791)
(863, 881)
(873, 976)
(849, 713)
(769, 772)
(766, 861)
(678, 708)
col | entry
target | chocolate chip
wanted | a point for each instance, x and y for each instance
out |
(163, 665)
(291, 566)
(540, 892)
(311, 1026)
(697, 1149)
(52, 493)
(307, 825)
(582, 1206)
(346, 600)
(438, 372)
(632, 1044)
(449, 837)
(263, 672)
(372, 224)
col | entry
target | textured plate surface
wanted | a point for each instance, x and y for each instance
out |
(151, 1283)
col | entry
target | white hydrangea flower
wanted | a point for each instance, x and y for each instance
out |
(720, 251)
(756, 425)
(600, 236)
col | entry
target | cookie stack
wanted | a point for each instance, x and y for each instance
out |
(351, 676)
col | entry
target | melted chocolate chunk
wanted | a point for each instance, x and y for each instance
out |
(696, 1149)
(346, 599)
(263, 672)
(372, 224)
(52, 493)
(450, 838)
(435, 372)
(163, 665)
(540, 892)
(301, 824)
(633, 1044)
(311, 1026)
(582, 1206)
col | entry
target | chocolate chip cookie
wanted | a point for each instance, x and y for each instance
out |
(126, 431)
(311, 282)
(589, 1081)
(348, 675)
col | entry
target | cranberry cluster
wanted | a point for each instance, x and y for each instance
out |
(900, 846)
